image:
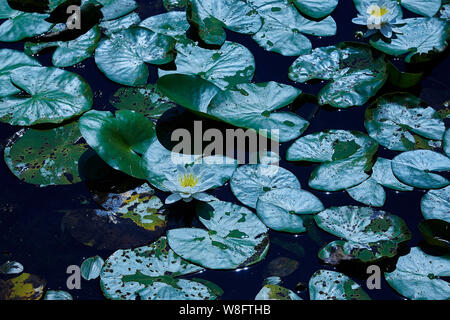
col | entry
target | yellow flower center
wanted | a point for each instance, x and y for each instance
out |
(188, 180)
(377, 11)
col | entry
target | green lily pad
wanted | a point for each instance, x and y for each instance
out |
(250, 182)
(119, 140)
(173, 24)
(21, 25)
(57, 295)
(417, 168)
(368, 234)
(382, 173)
(245, 105)
(355, 74)
(436, 232)
(281, 209)
(276, 292)
(9, 61)
(425, 8)
(417, 276)
(123, 57)
(253, 106)
(401, 122)
(212, 16)
(91, 267)
(122, 23)
(152, 273)
(113, 9)
(316, 9)
(331, 285)
(284, 27)
(346, 157)
(47, 157)
(369, 192)
(435, 204)
(419, 38)
(132, 219)
(24, 287)
(148, 101)
(235, 237)
(230, 65)
(68, 53)
(50, 95)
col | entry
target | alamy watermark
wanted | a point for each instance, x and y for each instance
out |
(74, 21)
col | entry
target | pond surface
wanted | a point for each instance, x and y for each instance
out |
(31, 217)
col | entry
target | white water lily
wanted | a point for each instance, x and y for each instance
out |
(189, 183)
(382, 15)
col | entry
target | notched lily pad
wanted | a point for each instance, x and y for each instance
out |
(355, 74)
(234, 238)
(368, 234)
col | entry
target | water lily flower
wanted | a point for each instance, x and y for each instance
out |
(190, 182)
(382, 15)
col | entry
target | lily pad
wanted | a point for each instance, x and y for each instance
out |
(50, 95)
(331, 285)
(316, 9)
(368, 234)
(113, 9)
(57, 295)
(382, 173)
(276, 292)
(235, 237)
(11, 267)
(175, 4)
(119, 140)
(425, 8)
(122, 23)
(401, 122)
(172, 24)
(282, 267)
(435, 204)
(281, 209)
(284, 27)
(246, 105)
(369, 192)
(355, 74)
(418, 38)
(418, 169)
(447, 142)
(21, 25)
(212, 16)
(9, 61)
(436, 232)
(417, 276)
(91, 267)
(148, 101)
(68, 53)
(123, 57)
(47, 157)
(346, 157)
(24, 287)
(253, 106)
(250, 182)
(151, 273)
(230, 65)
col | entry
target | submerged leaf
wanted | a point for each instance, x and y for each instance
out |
(355, 74)
(368, 234)
(235, 237)
(331, 285)
(417, 276)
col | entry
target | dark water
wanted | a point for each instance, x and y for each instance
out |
(30, 217)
